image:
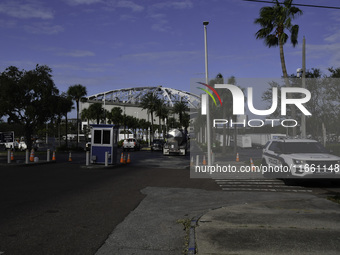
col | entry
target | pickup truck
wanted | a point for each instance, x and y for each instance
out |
(131, 143)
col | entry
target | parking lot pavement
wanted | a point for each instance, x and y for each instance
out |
(286, 225)
(245, 223)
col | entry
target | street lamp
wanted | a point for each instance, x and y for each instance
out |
(205, 23)
(301, 72)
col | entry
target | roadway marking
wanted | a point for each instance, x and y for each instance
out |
(258, 185)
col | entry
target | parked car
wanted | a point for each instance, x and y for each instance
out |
(22, 146)
(157, 145)
(131, 143)
(296, 158)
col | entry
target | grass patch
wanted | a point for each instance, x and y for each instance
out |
(186, 227)
(335, 199)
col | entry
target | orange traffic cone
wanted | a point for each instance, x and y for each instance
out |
(53, 156)
(204, 161)
(252, 165)
(122, 158)
(237, 157)
(12, 156)
(70, 157)
(32, 155)
(128, 159)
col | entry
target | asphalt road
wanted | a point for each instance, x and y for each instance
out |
(64, 208)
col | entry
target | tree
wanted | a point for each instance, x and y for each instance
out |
(115, 116)
(180, 108)
(275, 20)
(149, 102)
(95, 112)
(28, 98)
(64, 106)
(162, 112)
(77, 92)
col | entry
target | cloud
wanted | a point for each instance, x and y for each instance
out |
(43, 28)
(25, 10)
(7, 23)
(81, 2)
(332, 51)
(160, 56)
(161, 25)
(187, 4)
(131, 5)
(78, 53)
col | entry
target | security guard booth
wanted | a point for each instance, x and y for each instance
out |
(104, 138)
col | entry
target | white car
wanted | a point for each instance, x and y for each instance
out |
(131, 143)
(22, 146)
(296, 158)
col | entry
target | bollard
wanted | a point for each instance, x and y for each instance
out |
(8, 156)
(27, 156)
(106, 158)
(87, 158)
(197, 160)
(48, 155)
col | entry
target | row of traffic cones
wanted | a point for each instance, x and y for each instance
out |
(31, 158)
(251, 162)
(123, 159)
(53, 156)
(204, 162)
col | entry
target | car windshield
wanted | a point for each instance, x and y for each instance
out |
(303, 147)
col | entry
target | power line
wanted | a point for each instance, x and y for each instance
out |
(305, 5)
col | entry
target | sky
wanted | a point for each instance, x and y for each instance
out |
(113, 44)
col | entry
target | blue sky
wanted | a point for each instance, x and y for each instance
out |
(112, 44)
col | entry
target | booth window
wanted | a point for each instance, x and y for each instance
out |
(106, 136)
(97, 137)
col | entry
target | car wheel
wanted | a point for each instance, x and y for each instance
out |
(266, 174)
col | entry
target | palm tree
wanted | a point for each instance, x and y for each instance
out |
(180, 107)
(149, 102)
(275, 20)
(95, 112)
(77, 92)
(64, 106)
(115, 116)
(162, 112)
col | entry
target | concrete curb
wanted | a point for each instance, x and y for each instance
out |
(192, 237)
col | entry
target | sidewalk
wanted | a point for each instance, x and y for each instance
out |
(244, 223)
(285, 226)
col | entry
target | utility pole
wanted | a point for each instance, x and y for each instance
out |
(205, 23)
(303, 117)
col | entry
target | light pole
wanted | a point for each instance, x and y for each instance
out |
(205, 23)
(303, 71)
